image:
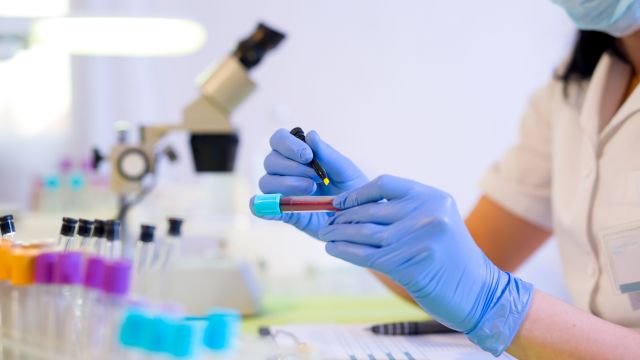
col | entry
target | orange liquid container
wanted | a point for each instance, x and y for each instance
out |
(5, 253)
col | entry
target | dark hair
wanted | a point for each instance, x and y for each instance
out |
(589, 47)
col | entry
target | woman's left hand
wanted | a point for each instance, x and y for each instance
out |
(414, 234)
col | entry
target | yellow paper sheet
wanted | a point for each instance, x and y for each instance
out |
(336, 309)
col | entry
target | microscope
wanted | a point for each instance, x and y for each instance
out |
(213, 144)
(213, 140)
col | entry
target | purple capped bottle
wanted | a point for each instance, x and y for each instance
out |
(113, 303)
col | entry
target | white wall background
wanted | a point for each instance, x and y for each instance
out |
(430, 90)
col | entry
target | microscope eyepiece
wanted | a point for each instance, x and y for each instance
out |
(251, 50)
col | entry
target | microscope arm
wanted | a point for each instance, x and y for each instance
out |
(222, 90)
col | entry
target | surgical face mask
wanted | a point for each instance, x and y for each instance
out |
(615, 17)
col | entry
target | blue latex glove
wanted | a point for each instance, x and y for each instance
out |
(414, 234)
(288, 173)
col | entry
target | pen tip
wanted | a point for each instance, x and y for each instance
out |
(326, 181)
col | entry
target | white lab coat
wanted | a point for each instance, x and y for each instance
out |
(567, 174)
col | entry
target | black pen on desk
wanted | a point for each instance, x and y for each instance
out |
(299, 133)
(411, 328)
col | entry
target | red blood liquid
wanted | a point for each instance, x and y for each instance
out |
(307, 203)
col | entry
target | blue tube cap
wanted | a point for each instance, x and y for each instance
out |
(267, 204)
(222, 329)
(134, 329)
(158, 336)
(181, 343)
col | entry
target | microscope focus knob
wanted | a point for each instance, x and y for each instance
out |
(96, 158)
(133, 164)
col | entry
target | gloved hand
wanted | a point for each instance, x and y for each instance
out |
(288, 173)
(414, 234)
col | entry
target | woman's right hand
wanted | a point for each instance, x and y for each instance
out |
(289, 173)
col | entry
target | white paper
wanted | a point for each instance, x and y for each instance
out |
(634, 298)
(356, 342)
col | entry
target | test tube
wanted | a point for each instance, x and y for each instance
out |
(22, 297)
(93, 282)
(83, 237)
(45, 291)
(171, 246)
(8, 228)
(68, 275)
(67, 232)
(168, 250)
(8, 232)
(112, 248)
(143, 258)
(276, 204)
(97, 237)
(145, 248)
(117, 280)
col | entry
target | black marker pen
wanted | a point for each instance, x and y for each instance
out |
(299, 133)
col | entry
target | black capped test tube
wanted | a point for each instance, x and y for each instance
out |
(67, 233)
(145, 248)
(97, 236)
(7, 228)
(83, 236)
(112, 248)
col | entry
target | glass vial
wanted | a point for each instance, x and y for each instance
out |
(67, 232)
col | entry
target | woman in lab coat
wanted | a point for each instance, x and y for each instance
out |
(574, 172)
